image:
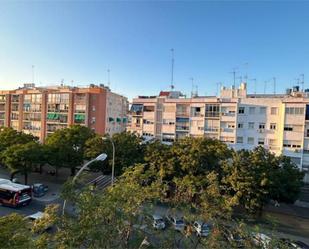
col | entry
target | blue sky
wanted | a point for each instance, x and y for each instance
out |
(79, 41)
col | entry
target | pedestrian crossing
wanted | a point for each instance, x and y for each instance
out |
(101, 182)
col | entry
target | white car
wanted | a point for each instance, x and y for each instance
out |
(37, 216)
(158, 222)
(201, 228)
(261, 239)
(177, 222)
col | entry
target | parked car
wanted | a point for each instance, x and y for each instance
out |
(201, 228)
(261, 239)
(39, 189)
(158, 222)
(37, 216)
(177, 222)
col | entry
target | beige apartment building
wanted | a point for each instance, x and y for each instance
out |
(278, 122)
(42, 110)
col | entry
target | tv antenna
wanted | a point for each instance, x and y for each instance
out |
(108, 78)
(192, 86)
(234, 77)
(302, 81)
(172, 70)
(32, 67)
(274, 81)
(254, 80)
(246, 74)
(219, 84)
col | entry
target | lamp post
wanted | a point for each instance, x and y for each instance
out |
(100, 157)
(113, 163)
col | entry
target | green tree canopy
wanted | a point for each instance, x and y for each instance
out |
(65, 147)
(128, 150)
(23, 157)
(9, 137)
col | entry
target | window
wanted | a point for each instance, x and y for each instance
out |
(251, 125)
(273, 126)
(251, 110)
(212, 110)
(294, 110)
(262, 126)
(93, 120)
(231, 126)
(262, 110)
(250, 140)
(240, 140)
(261, 141)
(241, 110)
(274, 110)
(240, 125)
(93, 108)
(288, 127)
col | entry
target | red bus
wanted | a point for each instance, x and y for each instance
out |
(13, 194)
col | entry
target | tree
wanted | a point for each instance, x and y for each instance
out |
(23, 157)
(128, 150)
(9, 137)
(287, 181)
(252, 175)
(65, 147)
(15, 232)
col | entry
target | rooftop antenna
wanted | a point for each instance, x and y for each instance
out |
(246, 75)
(62, 82)
(265, 85)
(274, 79)
(302, 81)
(254, 80)
(192, 87)
(234, 77)
(240, 78)
(32, 67)
(172, 70)
(219, 84)
(108, 78)
(72, 83)
(196, 90)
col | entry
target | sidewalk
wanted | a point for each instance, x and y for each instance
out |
(289, 209)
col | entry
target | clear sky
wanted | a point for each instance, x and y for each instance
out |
(79, 41)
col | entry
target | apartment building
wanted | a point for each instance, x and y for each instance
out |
(279, 122)
(42, 110)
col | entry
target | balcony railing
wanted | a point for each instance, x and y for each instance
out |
(211, 129)
(182, 128)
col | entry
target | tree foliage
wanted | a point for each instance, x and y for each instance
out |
(65, 147)
(23, 157)
(128, 150)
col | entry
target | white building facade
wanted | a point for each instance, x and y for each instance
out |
(280, 123)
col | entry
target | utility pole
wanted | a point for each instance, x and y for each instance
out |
(172, 70)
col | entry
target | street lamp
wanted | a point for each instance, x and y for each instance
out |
(100, 157)
(113, 164)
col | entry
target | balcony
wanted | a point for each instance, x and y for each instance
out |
(56, 118)
(211, 129)
(182, 114)
(227, 129)
(182, 128)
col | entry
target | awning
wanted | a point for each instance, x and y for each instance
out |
(79, 117)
